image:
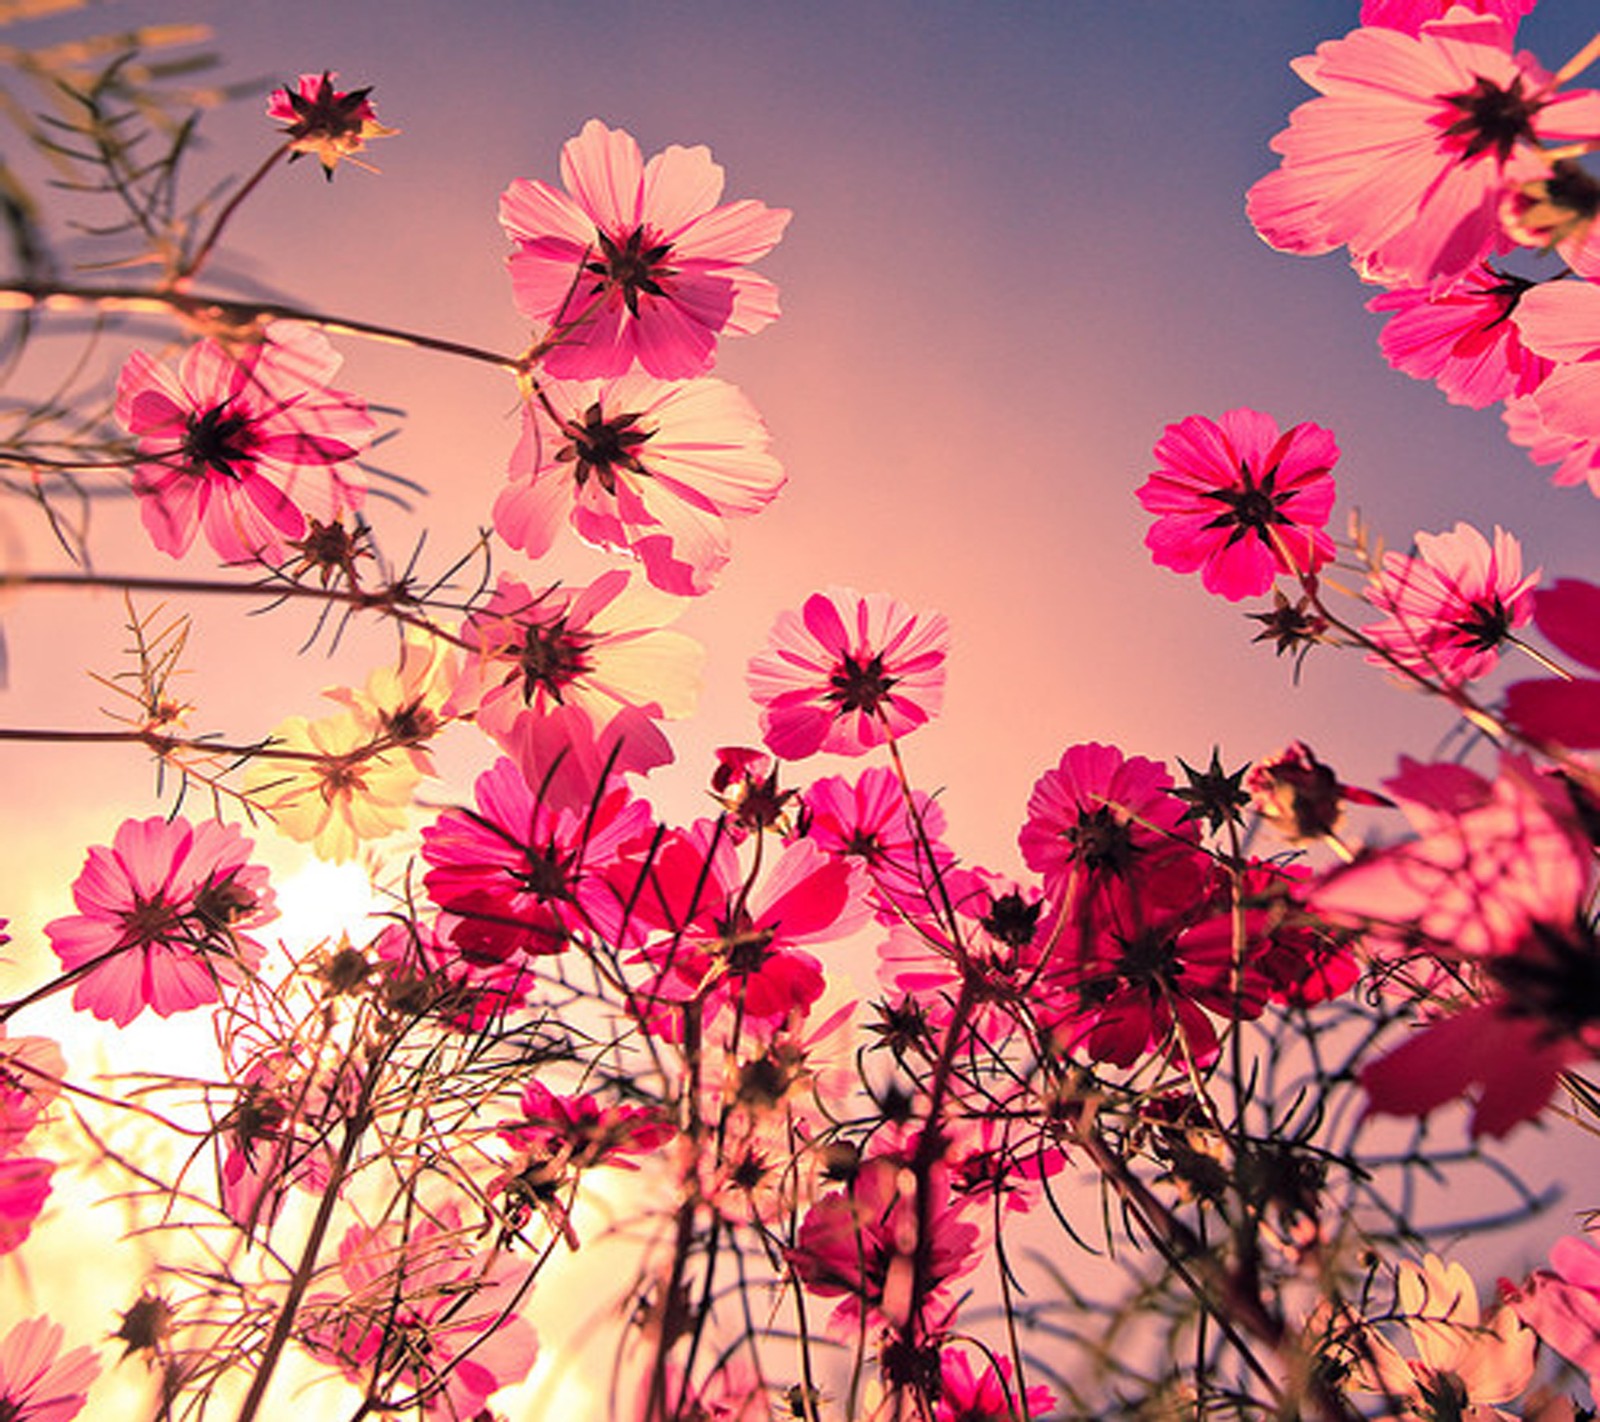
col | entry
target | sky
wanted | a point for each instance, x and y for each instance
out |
(1019, 250)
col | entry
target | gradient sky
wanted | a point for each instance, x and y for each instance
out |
(1019, 249)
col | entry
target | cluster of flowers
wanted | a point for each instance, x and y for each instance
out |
(611, 992)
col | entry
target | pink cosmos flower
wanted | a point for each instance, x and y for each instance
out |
(858, 1245)
(24, 1187)
(1577, 457)
(325, 121)
(1462, 337)
(37, 1382)
(847, 673)
(519, 874)
(1241, 502)
(31, 1071)
(730, 945)
(867, 821)
(1407, 151)
(1562, 1304)
(581, 1132)
(639, 466)
(1561, 321)
(1104, 830)
(1450, 608)
(984, 1393)
(424, 1318)
(1556, 709)
(243, 447)
(159, 920)
(1409, 16)
(638, 262)
(598, 651)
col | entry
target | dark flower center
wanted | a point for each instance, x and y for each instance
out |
(544, 873)
(217, 441)
(1554, 975)
(1486, 626)
(600, 447)
(1012, 920)
(1492, 117)
(1572, 187)
(635, 264)
(328, 114)
(10, 1410)
(1101, 841)
(858, 686)
(1253, 507)
(745, 947)
(1149, 958)
(150, 922)
(221, 903)
(552, 658)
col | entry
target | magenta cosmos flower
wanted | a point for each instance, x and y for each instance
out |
(1240, 501)
(159, 917)
(1563, 710)
(324, 121)
(847, 673)
(243, 447)
(1450, 608)
(1406, 154)
(1562, 1304)
(1411, 15)
(636, 261)
(642, 467)
(38, 1383)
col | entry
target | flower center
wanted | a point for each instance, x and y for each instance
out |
(1012, 920)
(148, 923)
(1491, 118)
(543, 873)
(600, 447)
(858, 686)
(1554, 975)
(1486, 626)
(633, 265)
(217, 441)
(745, 948)
(552, 658)
(1252, 508)
(1101, 841)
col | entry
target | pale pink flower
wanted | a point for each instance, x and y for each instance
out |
(848, 672)
(24, 1187)
(1451, 607)
(1562, 1304)
(642, 467)
(1561, 321)
(598, 650)
(423, 1317)
(1462, 337)
(1241, 502)
(160, 914)
(1490, 859)
(1577, 457)
(324, 121)
(1464, 1361)
(337, 786)
(243, 447)
(31, 1070)
(1407, 151)
(38, 1383)
(636, 261)
(1410, 15)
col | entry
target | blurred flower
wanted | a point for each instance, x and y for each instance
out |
(335, 787)
(638, 263)
(243, 447)
(1405, 153)
(1410, 15)
(326, 122)
(985, 1393)
(423, 1317)
(848, 672)
(24, 1187)
(37, 1382)
(1300, 796)
(1562, 1304)
(31, 1072)
(1240, 502)
(1450, 608)
(639, 466)
(160, 914)
(1464, 1364)
(1562, 709)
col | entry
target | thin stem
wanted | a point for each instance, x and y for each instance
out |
(232, 312)
(190, 267)
(1578, 63)
(1553, 667)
